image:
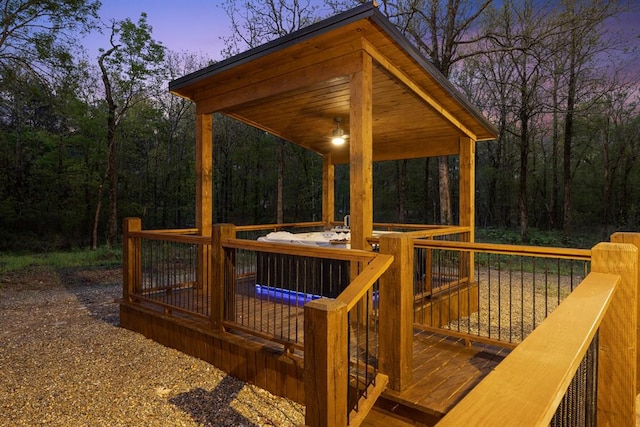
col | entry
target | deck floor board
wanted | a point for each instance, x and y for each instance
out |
(444, 368)
(444, 371)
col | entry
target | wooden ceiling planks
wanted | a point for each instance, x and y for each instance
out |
(296, 90)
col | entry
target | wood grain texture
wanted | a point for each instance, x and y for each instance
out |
(617, 373)
(526, 387)
(361, 155)
(326, 364)
(634, 239)
(396, 311)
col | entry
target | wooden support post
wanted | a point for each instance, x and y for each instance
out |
(618, 336)
(467, 153)
(204, 173)
(131, 258)
(325, 363)
(396, 311)
(634, 239)
(361, 155)
(204, 193)
(218, 266)
(328, 190)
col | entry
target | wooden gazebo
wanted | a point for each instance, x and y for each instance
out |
(394, 318)
(356, 67)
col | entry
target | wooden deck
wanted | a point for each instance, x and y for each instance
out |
(444, 369)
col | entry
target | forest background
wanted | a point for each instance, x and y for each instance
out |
(86, 141)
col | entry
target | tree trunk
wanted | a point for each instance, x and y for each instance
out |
(280, 196)
(446, 216)
(401, 171)
(112, 231)
(568, 141)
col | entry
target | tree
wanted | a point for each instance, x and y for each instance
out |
(583, 22)
(256, 23)
(127, 68)
(442, 31)
(37, 35)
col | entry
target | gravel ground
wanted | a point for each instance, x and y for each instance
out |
(65, 362)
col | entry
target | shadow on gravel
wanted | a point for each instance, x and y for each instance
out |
(211, 408)
(97, 289)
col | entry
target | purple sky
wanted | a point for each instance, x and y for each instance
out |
(197, 26)
(192, 25)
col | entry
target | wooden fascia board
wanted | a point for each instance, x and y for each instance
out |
(295, 79)
(406, 150)
(417, 90)
(363, 12)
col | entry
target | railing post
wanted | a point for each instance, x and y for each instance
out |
(216, 293)
(634, 239)
(131, 256)
(325, 363)
(617, 368)
(396, 311)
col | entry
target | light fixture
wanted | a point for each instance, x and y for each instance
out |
(338, 135)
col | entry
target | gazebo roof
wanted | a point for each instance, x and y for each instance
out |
(295, 87)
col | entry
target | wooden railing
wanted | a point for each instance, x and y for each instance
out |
(531, 381)
(166, 268)
(342, 381)
(528, 386)
(490, 293)
(266, 285)
(185, 274)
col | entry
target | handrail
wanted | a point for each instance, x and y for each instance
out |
(276, 226)
(408, 226)
(170, 237)
(439, 232)
(539, 251)
(174, 230)
(300, 250)
(361, 284)
(527, 386)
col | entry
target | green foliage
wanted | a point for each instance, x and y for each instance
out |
(53, 148)
(37, 36)
(103, 257)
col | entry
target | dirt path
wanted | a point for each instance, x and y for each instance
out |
(65, 362)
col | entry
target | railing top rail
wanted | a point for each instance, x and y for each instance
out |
(409, 226)
(171, 236)
(301, 250)
(174, 231)
(536, 251)
(258, 227)
(530, 382)
(361, 284)
(439, 231)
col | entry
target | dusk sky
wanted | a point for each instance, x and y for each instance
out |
(193, 25)
(198, 25)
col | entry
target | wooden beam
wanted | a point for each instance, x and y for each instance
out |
(325, 363)
(396, 311)
(634, 239)
(618, 340)
(467, 209)
(404, 79)
(131, 258)
(328, 190)
(406, 150)
(361, 154)
(467, 179)
(204, 173)
(217, 272)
